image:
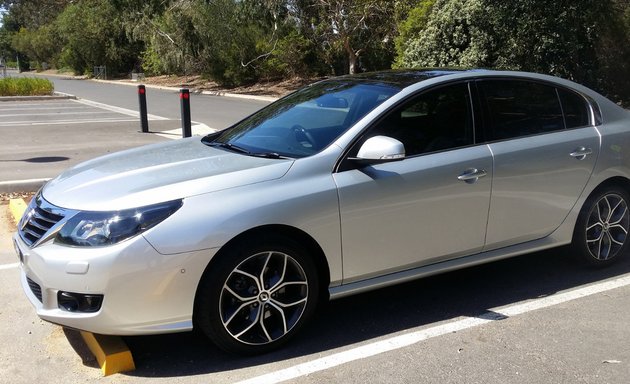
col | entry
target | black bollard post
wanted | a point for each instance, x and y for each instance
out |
(142, 98)
(184, 97)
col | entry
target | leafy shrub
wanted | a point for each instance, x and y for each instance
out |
(25, 86)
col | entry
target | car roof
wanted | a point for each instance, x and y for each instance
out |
(401, 78)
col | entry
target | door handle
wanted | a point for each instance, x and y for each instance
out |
(471, 175)
(581, 153)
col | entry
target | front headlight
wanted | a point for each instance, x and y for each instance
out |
(94, 229)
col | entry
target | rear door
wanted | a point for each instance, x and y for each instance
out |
(544, 150)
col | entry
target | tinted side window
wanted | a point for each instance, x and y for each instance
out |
(575, 109)
(433, 121)
(517, 108)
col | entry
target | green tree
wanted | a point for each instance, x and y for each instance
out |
(40, 45)
(349, 27)
(582, 40)
(92, 35)
(6, 49)
(457, 33)
(412, 21)
(613, 53)
(33, 14)
(551, 37)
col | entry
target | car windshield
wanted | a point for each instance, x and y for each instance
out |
(305, 122)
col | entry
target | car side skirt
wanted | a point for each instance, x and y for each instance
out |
(442, 267)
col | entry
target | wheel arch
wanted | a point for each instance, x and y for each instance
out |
(615, 181)
(301, 237)
(580, 241)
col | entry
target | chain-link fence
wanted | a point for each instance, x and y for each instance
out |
(100, 72)
(3, 67)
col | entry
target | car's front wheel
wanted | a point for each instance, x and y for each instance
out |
(256, 296)
(601, 233)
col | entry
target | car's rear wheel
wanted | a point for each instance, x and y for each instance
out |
(601, 233)
(256, 296)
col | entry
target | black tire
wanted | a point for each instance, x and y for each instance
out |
(241, 318)
(601, 234)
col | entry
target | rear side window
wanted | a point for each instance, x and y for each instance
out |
(515, 108)
(575, 109)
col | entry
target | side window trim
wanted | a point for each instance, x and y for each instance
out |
(474, 111)
(480, 114)
(564, 115)
(594, 111)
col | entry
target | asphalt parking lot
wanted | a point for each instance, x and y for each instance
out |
(534, 318)
(35, 135)
(42, 138)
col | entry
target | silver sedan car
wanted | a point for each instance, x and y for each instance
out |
(347, 185)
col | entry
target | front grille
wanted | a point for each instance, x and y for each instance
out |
(38, 220)
(35, 288)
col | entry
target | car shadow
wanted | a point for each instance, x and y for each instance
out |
(470, 292)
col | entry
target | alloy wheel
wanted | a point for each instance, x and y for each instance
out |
(607, 226)
(263, 298)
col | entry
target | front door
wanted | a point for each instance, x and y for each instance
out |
(422, 209)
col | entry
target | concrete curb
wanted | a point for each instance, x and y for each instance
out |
(17, 207)
(240, 96)
(54, 96)
(30, 185)
(164, 88)
(176, 89)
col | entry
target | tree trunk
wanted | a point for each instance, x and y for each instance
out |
(352, 57)
(352, 63)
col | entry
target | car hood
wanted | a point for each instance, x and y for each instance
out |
(157, 173)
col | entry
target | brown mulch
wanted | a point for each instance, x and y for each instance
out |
(197, 83)
(5, 197)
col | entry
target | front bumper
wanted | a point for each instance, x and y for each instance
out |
(145, 292)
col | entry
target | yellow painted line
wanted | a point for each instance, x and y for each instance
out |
(111, 352)
(17, 208)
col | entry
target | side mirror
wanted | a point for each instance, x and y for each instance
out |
(381, 149)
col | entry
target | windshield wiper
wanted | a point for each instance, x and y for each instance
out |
(269, 155)
(231, 147)
(236, 148)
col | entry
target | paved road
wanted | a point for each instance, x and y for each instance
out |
(584, 340)
(214, 111)
(42, 138)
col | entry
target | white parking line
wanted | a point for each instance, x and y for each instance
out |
(25, 104)
(57, 113)
(9, 266)
(37, 108)
(401, 341)
(57, 122)
(197, 129)
(124, 111)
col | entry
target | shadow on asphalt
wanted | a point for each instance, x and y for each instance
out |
(469, 292)
(41, 159)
